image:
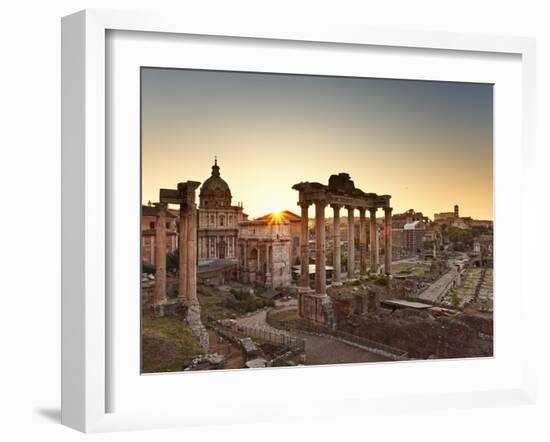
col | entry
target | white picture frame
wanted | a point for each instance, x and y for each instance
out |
(85, 202)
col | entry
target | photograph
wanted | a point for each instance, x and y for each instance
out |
(292, 220)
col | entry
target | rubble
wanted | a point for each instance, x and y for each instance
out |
(212, 361)
(256, 363)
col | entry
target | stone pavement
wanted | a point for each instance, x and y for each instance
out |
(319, 349)
(439, 288)
(325, 350)
(258, 319)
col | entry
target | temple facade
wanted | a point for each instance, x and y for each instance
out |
(340, 193)
(218, 219)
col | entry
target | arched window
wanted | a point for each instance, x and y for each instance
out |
(211, 219)
(221, 220)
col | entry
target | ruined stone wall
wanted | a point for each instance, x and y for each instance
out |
(424, 336)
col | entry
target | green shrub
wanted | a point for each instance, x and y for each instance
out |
(455, 299)
(381, 280)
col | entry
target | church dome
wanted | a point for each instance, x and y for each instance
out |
(215, 191)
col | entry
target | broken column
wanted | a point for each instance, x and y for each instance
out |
(351, 243)
(159, 298)
(304, 251)
(320, 257)
(362, 243)
(191, 291)
(387, 240)
(336, 244)
(184, 195)
(373, 241)
(183, 255)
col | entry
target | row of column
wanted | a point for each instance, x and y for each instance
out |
(320, 241)
(211, 242)
(187, 275)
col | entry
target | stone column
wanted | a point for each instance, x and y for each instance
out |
(351, 243)
(268, 279)
(192, 254)
(373, 239)
(183, 254)
(245, 255)
(362, 242)
(258, 260)
(320, 257)
(304, 250)
(160, 256)
(387, 240)
(336, 247)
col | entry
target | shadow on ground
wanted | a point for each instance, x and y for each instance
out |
(51, 414)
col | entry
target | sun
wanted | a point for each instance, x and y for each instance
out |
(277, 217)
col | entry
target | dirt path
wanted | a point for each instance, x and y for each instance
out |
(233, 354)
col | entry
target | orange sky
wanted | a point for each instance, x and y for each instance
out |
(428, 144)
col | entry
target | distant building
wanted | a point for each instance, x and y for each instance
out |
(453, 219)
(461, 223)
(483, 251)
(446, 217)
(408, 232)
(408, 239)
(218, 219)
(481, 223)
(400, 219)
(148, 224)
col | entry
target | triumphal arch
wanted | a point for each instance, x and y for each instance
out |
(315, 305)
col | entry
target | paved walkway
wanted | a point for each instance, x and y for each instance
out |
(325, 350)
(318, 349)
(258, 319)
(436, 290)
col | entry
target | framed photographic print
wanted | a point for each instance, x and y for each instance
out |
(324, 216)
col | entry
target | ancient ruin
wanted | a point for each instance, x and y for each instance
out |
(316, 306)
(184, 196)
(265, 252)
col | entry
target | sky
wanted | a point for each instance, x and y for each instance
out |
(428, 144)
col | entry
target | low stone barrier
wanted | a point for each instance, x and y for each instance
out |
(278, 337)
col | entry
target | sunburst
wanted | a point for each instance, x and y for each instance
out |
(277, 217)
